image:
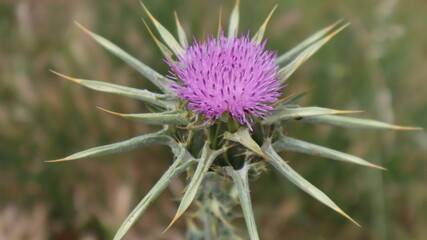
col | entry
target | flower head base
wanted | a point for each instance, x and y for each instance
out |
(234, 75)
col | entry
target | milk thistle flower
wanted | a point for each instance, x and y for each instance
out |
(233, 75)
(226, 91)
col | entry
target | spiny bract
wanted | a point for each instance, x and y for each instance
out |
(228, 75)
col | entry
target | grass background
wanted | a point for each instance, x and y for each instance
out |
(378, 64)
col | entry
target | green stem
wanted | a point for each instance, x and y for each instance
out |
(190, 139)
(213, 135)
(207, 222)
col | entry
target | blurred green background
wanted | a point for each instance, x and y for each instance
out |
(378, 64)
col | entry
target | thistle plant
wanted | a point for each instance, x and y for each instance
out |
(223, 112)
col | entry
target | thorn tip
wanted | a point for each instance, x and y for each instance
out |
(64, 76)
(408, 128)
(56, 160)
(111, 112)
(170, 224)
(83, 28)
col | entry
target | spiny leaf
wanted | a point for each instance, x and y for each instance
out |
(165, 50)
(260, 34)
(291, 144)
(233, 25)
(286, 57)
(287, 113)
(299, 181)
(351, 122)
(140, 94)
(205, 161)
(243, 137)
(165, 34)
(240, 179)
(136, 142)
(181, 32)
(153, 118)
(299, 59)
(157, 79)
(183, 161)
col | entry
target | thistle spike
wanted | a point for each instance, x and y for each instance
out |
(290, 144)
(351, 122)
(205, 161)
(164, 33)
(287, 113)
(144, 95)
(159, 80)
(136, 142)
(305, 54)
(277, 162)
(153, 118)
(243, 137)
(307, 42)
(219, 31)
(260, 34)
(165, 50)
(183, 161)
(65, 76)
(234, 20)
(181, 32)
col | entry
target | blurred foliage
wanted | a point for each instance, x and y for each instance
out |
(378, 65)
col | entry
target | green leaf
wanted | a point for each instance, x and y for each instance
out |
(233, 25)
(277, 162)
(140, 94)
(181, 32)
(183, 161)
(205, 161)
(165, 34)
(136, 142)
(291, 144)
(288, 113)
(304, 55)
(286, 57)
(260, 34)
(351, 122)
(165, 50)
(156, 78)
(153, 118)
(243, 137)
(240, 179)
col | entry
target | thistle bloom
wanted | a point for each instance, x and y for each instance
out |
(234, 75)
(225, 75)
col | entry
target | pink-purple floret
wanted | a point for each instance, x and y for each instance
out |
(233, 75)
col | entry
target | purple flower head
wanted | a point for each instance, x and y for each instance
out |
(233, 75)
